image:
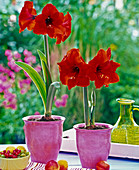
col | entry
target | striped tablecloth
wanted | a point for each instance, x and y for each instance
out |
(35, 166)
(40, 166)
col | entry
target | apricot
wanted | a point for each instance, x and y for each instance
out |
(63, 164)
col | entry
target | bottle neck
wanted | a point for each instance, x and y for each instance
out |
(126, 114)
(126, 110)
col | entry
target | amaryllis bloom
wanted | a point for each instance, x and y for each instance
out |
(27, 16)
(102, 69)
(53, 23)
(73, 70)
(67, 26)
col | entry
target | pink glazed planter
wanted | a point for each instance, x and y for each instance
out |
(43, 139)
(93, 145)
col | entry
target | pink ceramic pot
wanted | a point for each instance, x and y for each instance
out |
(43, 139)
(93, 145)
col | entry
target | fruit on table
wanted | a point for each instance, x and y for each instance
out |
(10, 148)
(63, 164)
(21, 148)
(52, 165)
(102, 165)
(12, 152)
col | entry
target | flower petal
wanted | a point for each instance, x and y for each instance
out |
(66, 29)
(73, 70)
(27, 17)
(83, 81)
(53, 23)
(102, 70)
(49, 22)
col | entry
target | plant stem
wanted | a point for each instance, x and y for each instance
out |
(86, 109)
(51, 93)
(92, 116)
(46, 49)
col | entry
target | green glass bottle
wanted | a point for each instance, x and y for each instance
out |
(126, 130)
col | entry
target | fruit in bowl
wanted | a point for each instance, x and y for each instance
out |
(14, 158)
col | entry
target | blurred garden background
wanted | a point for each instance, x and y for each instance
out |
(95, 24)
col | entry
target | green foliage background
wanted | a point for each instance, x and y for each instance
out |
(96, 26)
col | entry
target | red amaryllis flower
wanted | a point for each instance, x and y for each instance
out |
(102, 70)
(73, 70)
(67, 26)
(27, 17)
(48, 21)
(53, 23)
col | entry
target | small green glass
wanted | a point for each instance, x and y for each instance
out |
(126, 130)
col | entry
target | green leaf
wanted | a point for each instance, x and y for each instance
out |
(42, 56)
(36, 78)
(46, 72)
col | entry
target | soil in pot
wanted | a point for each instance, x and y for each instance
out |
(44, 119)
(94, 127)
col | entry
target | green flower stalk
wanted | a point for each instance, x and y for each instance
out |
(86, 108)
(93, 105)
(89, 114)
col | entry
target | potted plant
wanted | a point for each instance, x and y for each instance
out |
(93, 139)
(43, 134)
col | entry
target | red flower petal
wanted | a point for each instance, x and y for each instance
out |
(73, 70)
(102, 70)
(53, 23)
(49, 22)
(83, 81)
(71, 83)
(67, 29)
(41, 27)
(27, 17)
(50, 11)
(67, 25)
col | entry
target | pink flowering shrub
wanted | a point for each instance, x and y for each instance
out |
(29, 58)
(10, 100)
(8, 84)
(24, 85)
(61, 102)
(37, 113)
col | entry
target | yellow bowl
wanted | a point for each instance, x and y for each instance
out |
(14, 163)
